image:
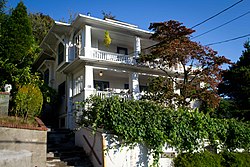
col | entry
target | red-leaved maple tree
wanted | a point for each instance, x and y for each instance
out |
(192, 69)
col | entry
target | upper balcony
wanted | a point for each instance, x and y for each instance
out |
(124, 48)
(107, 56)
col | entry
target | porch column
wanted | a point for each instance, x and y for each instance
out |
(71, 54)
(51, 74)
(133, 76)
(88, 81)
(66, 44)
(137, 47)
(134, 85)
(69, 101)
(87, 41)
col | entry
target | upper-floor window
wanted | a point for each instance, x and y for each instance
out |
(78, 85)
(122, 50)
(60, 53)
(46, 77)
(62, 89)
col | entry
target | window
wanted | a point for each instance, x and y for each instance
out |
(126, 86)
(60, 53)
(143, 88)
(101, 85)
(121, 50)
(78, 85)
(62, 122)
(61, 89)
(46, 77)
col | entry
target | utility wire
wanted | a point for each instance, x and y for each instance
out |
(232, 39)
(221, 25)
(199, 24)
(216, 14)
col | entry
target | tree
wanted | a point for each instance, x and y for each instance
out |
(236, 84)
(18, 48)
(41, 25)
(108, 15)
(198, 65)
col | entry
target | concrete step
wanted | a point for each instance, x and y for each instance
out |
(62, 152)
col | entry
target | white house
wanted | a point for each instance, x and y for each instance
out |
(75, 61)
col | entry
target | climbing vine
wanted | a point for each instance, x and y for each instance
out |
(141, 121)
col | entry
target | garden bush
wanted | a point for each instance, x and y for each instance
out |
(28, 101)
(208, 159)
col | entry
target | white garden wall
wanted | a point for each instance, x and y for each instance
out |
(119, 156)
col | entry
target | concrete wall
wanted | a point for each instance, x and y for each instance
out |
(15, 158)
(128, 157)
(85, 138)
(34, 141)
(110, 155)
(4, 103)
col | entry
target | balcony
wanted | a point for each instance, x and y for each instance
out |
(108, 56)
(109, 92)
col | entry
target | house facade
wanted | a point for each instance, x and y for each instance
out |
(75, 62)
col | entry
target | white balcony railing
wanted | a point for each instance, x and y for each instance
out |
(106, 94)
(113, 57)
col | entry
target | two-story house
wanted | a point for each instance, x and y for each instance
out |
(75, 62)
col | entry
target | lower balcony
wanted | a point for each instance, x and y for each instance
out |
(122, 93)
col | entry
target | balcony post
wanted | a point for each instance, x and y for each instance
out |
(69, 101)
(137, 47)
(88, 81)
(51, 74)
(87, 41)
(134, 85)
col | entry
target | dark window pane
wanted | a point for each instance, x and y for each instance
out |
(101, 85)
(60, 53)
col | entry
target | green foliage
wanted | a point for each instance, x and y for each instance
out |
(201, 159)
(50, 96)
(238, 135)
(236, 159)
(18, 49)
(161, 90)
(236, 84)
(208, 159)
(41, 25)
(146, 122)
(29, 101)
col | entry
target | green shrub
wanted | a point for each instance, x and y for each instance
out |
(236, 159)
(202, 159)
(29, 101)
(208, 159)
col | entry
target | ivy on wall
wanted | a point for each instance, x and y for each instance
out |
(141, 121)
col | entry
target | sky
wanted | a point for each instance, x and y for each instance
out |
(144, 12)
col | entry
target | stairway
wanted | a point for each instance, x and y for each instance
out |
(62, 152)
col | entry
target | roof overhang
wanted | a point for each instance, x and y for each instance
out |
(81, 62)
(107, 24)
